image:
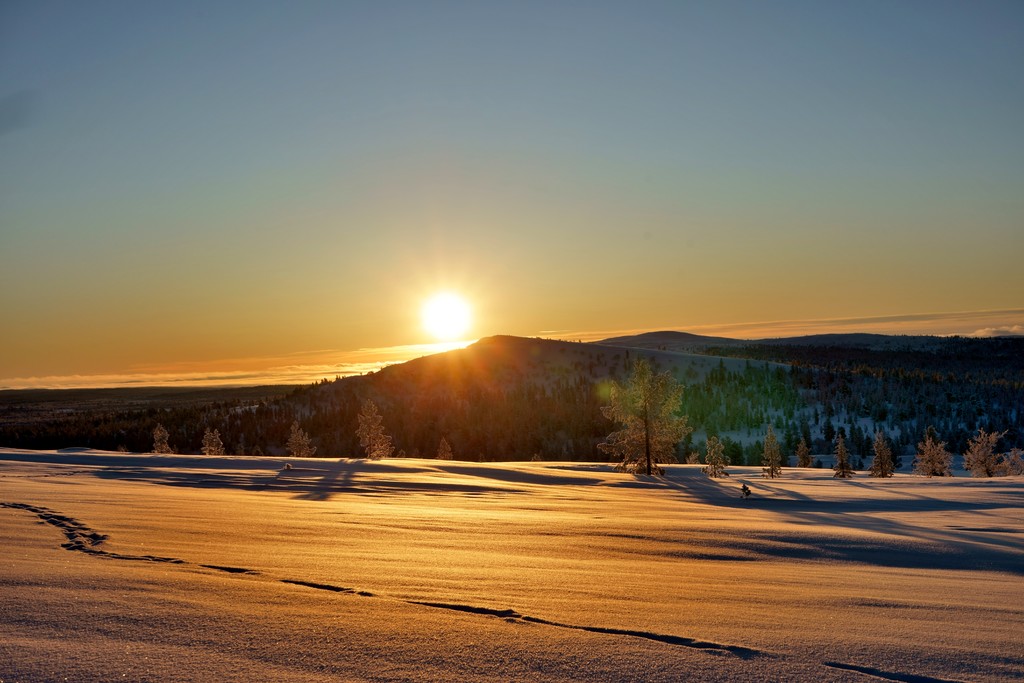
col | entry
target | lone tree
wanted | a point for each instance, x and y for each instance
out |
(160, 436)
(212, 445)
(444, 450)
(645, 407)
(933, 460)
(299, 444)
(842, 467)
(372, 436)
(981, 458)
(882, 465)
(771, 456)
(716, 458)
(803, 454)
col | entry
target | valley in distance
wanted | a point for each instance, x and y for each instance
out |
(486, 514)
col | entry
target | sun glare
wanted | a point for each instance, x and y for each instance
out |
(446, 316)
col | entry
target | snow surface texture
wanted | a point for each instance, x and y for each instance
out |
(145, 567)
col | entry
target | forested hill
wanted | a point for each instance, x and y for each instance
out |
(517, 398)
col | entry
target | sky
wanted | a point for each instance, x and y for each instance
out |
(269, 191)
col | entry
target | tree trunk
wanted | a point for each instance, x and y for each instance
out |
(647, 438)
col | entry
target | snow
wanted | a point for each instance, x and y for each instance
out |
(232, 568)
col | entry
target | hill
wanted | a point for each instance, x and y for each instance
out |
(513, 398)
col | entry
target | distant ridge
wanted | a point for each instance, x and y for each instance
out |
(685, 341)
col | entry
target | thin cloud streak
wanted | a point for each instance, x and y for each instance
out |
(250, 372)
(967, 323)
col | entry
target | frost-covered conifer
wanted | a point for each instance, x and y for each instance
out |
(372, 436)
(299, 444)
(444, 450)
(882, 465)
(160, 436)
(771, 458)
(645, 407)
(981, 458)
(933, 460)
(1012, 463)
(803, 454)
(842, 467)
(716, 458)
(212, 445)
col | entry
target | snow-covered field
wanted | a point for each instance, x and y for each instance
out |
(196, 568)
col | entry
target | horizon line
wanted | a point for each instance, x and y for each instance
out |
(334, 363)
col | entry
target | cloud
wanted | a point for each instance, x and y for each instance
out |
(1005, 331)
(243, 371)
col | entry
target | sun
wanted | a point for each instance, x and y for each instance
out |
(446, 316)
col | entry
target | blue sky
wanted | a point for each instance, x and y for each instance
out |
(288, 177)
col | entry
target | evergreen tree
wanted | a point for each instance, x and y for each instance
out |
(160, 437)
(771, 457)
(212, 445)
(933, 460)
(299, 444)
(716, 458)
(1012, 463)
(882, 465)
(842, 467)
(803, 454)
(444, 450)
(981, 458)
(372, 436)
(645, 407)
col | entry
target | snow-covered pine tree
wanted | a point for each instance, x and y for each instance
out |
(771, 457)
(716, 458)
(299, 443)
(212, 445)
(160, 437)
(842, 467)
(1012, 464)
(444, 450)
(981, 458)
(645, 407)
(882, 465)
(372, 436)
(803, 454)
(933, 460)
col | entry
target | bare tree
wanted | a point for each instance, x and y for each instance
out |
(645, 407)
(716, 458)
(372, 437)
(771, 457)
(882, 465)
(212, 445)
(299, 444)
(933, 460)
